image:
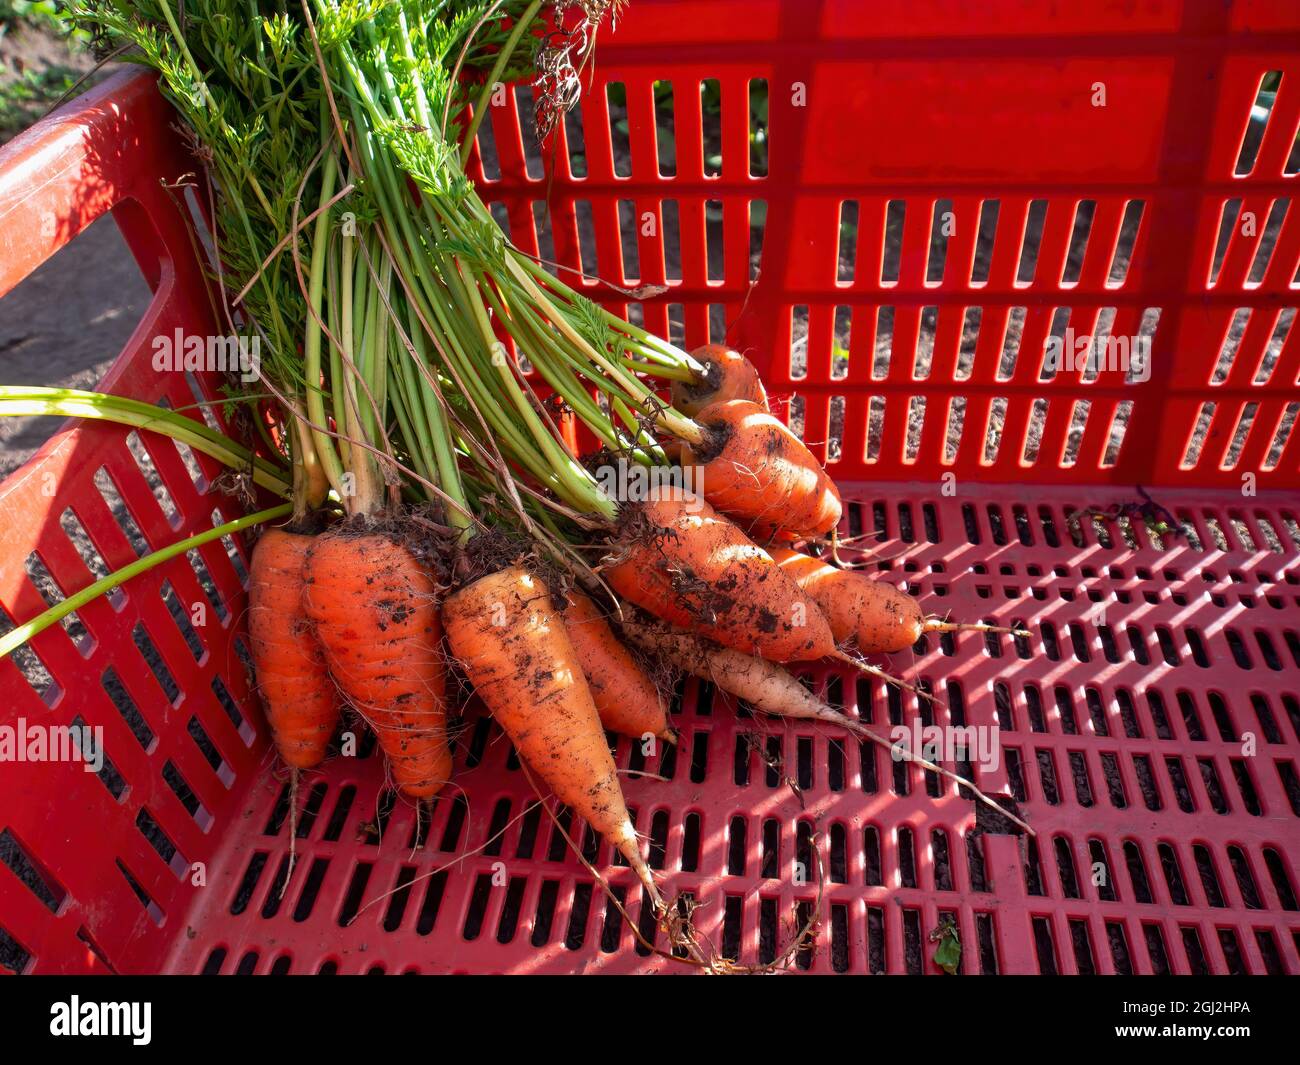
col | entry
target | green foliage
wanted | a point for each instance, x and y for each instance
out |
(591, 322)
(246, 86)
(48, 15)
(26, 94)
(947, 955)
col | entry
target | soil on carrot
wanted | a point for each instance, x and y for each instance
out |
(417, 528)
(708, 384)
(492, 550)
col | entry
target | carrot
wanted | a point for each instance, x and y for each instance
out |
(301, 703)
(375, 611)
(770, 689)
(688, 565)
(626, 699)
(762, 684)
(756, 471)
(566, 423)
(504, 632)
(727, 375)
(875, 616)
(568, 426)
(872, 616)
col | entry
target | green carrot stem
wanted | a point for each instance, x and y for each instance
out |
(333, 321)
(503, 56)
(25, 632)
(74, 403)
(312, 338)
(364, 494)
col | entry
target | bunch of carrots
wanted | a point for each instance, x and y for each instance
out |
(440, 517)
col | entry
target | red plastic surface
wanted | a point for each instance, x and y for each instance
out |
(1149, 728)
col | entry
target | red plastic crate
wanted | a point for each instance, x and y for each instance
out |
(1127, 719)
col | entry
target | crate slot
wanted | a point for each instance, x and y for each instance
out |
(1281, 879)
(183, 620)
(986, 228)
(176, 782)
(158, 839)
(1268, 361)
(1257, 120)
(49, 590)
(485, 140)
(942, 223)
(144, 461)
(121, 699)
(1102, 878)
(1030, 241)
(1126, 240)
(245, 728)
(13, 955)
(31, 873)
(235, 555)
(1229, 213)
(85, 546)
(147, 903)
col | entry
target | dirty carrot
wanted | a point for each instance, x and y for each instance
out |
(301, 702)
(375, 611)
(868, 614)
(756, 471)
(627, 700)
(726, 374)
(688, 565)
(505, 632)
(773, 690)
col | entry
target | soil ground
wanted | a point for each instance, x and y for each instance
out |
(65, 324)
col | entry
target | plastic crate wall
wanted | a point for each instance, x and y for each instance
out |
(1153, 658)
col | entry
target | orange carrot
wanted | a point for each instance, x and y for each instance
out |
(690, 566)
(872, 616)
(626, 699)
(757, 472)
(504, 631)
(875, 616)
(727, 375)
(375, 611)
(301, 704)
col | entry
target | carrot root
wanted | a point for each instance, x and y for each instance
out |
(880, 674)
(507, 636)
(626, 699)
(934, 624)
(870, 615)
(727, 375)
(756, 471)
(769, 688)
